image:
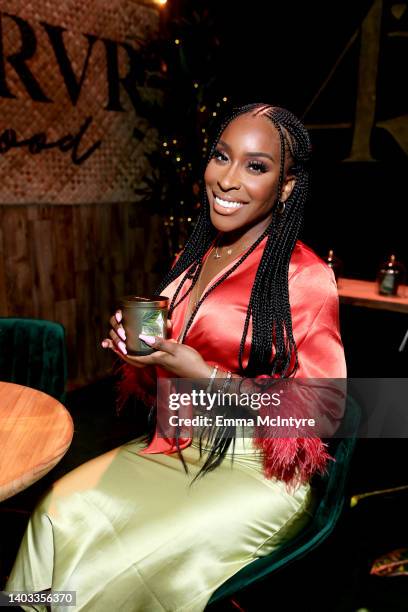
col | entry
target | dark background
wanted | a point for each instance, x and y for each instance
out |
(282, 53)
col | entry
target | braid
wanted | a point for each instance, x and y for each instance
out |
(221, 279)
(269, 306)
(273, 348)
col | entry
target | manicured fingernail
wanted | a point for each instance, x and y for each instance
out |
(148, 339)
(122, 347)
(104, 344)
(118, 317)
(121, 333)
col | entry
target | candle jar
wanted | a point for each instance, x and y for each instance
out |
(143, 315)
(390, 275)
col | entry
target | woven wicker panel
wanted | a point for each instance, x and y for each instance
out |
(111, 173)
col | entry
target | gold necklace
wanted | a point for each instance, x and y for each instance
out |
(229, 251)
(215, 256)
(196, 293)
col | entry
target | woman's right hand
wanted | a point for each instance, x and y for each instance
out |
(117, 340)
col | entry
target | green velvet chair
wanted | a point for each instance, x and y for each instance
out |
(332, 489)
(33, 353)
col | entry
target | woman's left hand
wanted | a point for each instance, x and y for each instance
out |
(179, 359)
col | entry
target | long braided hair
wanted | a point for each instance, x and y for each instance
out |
(273, 348)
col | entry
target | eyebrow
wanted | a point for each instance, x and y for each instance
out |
(248, 153)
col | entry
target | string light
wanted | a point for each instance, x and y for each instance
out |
(177, 41)
(180, 169)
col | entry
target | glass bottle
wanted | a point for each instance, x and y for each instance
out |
(334, 263)
(390, 275)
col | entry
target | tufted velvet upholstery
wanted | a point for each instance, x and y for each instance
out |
(33, 353)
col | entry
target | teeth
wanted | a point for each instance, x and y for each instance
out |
(226, 204)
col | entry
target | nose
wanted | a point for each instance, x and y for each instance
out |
(229, 178)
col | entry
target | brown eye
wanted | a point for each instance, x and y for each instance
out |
(219, 155)
(257, 167)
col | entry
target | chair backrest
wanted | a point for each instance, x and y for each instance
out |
(332, 488)
(33, 353)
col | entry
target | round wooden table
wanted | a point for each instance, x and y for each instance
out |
(35, 433)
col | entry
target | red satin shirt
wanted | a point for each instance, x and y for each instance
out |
(217, 328)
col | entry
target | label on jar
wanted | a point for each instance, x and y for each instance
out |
(153, 323)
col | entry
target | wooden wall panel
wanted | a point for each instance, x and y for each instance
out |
(19, 275)
(3, 296)
(64, 271)
(65, 313)
(72, 264)
(44, 264)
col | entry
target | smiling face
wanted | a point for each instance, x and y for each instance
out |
(242, 177)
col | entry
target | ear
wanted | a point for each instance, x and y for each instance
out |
(287, 188)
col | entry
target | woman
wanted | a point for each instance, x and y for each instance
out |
(247, 299)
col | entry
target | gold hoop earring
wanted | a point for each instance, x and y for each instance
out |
(280, 207)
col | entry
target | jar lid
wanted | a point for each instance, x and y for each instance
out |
(137, 301)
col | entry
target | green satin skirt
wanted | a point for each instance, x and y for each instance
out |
(128, 533)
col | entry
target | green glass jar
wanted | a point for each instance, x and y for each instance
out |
(143, 315)
(390, 276)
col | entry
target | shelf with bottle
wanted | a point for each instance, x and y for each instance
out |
(365, 293)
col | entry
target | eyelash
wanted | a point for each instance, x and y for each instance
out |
(256, 166)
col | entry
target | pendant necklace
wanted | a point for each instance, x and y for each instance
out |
(229, 251)
(196, 294)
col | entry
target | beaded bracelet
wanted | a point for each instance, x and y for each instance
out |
(210, 384)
